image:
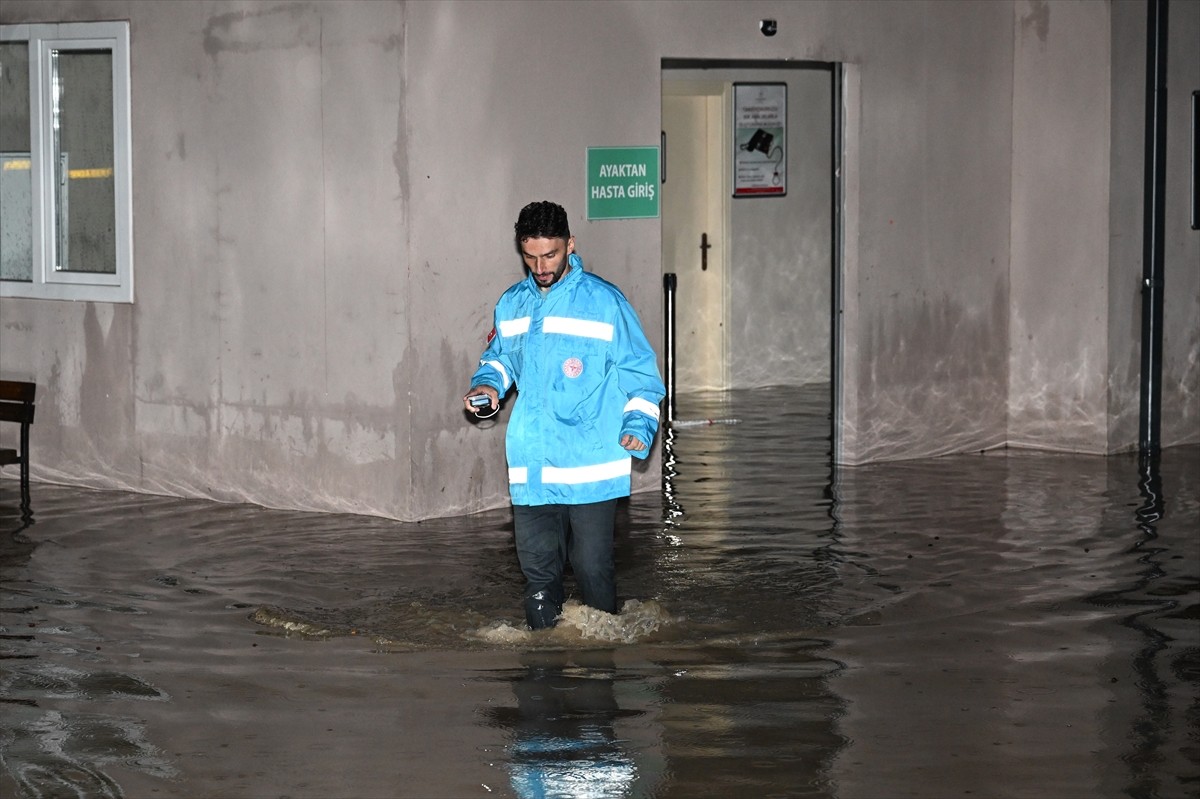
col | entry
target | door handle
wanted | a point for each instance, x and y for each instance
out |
(704, 248)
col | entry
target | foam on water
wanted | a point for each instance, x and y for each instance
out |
(635, 621)
(416, 626)
(279, 618)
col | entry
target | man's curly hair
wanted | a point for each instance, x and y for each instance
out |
(542, 220)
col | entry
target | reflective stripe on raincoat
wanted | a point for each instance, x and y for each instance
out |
(586, 376)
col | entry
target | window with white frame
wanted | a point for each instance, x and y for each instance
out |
(66, 207)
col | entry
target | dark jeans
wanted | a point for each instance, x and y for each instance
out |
(548, 536)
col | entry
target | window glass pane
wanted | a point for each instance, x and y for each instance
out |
(16, 178)
(84, 187)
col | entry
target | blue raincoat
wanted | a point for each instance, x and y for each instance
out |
(586, 376)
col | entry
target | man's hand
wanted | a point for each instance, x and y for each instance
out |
(632, 443)
(475, 391)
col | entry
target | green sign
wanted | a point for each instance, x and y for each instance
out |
(622, 183)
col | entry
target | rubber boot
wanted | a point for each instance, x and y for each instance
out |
(541, 611)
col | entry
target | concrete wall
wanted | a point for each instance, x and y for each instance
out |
(1058, 312)
(925, 296)
(324, 195)
(1076, 328)
(1181, 312)
(261, 359)
(1181, 305)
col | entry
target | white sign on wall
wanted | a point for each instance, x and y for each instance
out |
(759, 139)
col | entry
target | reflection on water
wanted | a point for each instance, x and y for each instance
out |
(1162, 611)
(564, 727)
(51, 752)
(1014, 623)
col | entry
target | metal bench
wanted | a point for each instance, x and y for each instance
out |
(16, 405)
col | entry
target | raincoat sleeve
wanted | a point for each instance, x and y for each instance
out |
(639, 379)
(497, 366)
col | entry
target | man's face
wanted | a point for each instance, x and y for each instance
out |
(547, 258)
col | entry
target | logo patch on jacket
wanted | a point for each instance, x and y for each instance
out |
(572, 367)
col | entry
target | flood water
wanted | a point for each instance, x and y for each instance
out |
(1009, 624)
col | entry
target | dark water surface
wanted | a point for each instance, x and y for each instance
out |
(1011, 624)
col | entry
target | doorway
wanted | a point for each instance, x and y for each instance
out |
(695, 222)
(757, 275)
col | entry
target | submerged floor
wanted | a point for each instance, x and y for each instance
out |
(1000, 625)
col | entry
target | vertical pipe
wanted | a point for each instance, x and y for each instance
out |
(835, 309)
(669, 339)
(1153, 227)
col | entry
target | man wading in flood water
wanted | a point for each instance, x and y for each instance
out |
(589, 394)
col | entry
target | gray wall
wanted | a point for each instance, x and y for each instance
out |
(929, 157)
(1075, 329)
(1058, 351)
(324, 194)
(1181, 304)
(1181, 323)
